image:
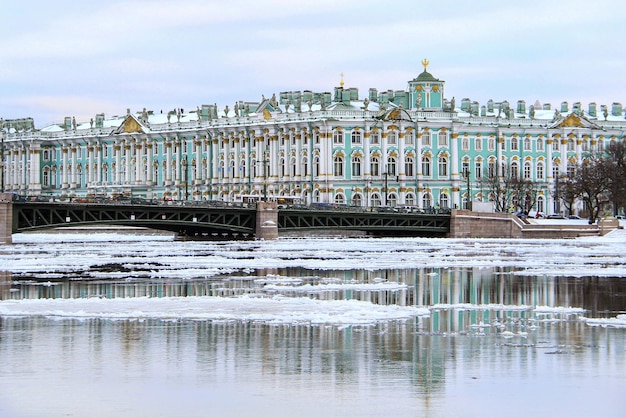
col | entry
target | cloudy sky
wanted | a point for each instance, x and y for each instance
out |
(77, 58)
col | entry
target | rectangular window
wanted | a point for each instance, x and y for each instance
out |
(391, 138)
(443, 139)
(375, 138)
(426, 139)
(408, 138)
(527, 146)
(337, 137)
(356, 137)
(514, 144)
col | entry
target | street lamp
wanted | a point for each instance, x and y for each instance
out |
(265, 169)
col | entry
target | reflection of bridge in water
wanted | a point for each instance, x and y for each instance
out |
(208, 219)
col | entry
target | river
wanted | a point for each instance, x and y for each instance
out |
(141, 325)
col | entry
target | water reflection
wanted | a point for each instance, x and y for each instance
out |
(441, 288)
(5, 285)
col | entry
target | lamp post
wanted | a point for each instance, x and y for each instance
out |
(265, 169)
(469, 195)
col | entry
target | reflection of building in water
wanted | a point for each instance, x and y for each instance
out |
(341, 354)
(461, 297)
(5, 285)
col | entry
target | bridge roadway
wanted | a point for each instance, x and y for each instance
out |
(219, 220)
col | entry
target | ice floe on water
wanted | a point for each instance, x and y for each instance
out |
(597, 256)
(128, 257)
(275, 310)
(616, 322)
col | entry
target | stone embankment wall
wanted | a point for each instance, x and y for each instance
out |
(468, 224)
(6, 218)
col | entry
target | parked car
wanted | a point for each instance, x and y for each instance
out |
(574, 217)
(555, 216)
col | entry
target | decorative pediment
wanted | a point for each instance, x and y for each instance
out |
(574, 120)
(131, 125)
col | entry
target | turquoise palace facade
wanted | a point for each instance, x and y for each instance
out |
(413, 147)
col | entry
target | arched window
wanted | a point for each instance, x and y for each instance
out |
(426, 167)
(541, 204)
(316, 196)
(316, 167)
(357, 199)
(46, 177)
(242, 168)
(408, 166)
(340, 199)
(356, 166)
(427, 201)
(443, 166)
(444, 201)
(305, 166)
(375, 166)
(155, 172)
(392, 199)
(527, 171)
(571, 145)
(391, 166)
(376, 201)
(255, 170)
(409, 199)
(338, 166)
(281, 167)
(540, 170)
(527, 146)
(514, 170)
(292, 167)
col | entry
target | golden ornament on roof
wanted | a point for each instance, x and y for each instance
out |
(425, 63)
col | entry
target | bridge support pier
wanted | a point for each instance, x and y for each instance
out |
(266, 220)
(6, 218)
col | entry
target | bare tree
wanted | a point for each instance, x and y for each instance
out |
(592, 183)
(509, 192)
(615, 154)
(566, 192)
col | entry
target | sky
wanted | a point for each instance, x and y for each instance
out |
(78, 58)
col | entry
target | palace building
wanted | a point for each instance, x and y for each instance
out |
(414, 147)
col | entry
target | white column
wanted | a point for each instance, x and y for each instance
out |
(118, 164)
(139, 172)
(73, 171)
(168, 163)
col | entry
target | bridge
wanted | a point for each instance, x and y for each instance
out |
(224, 221)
